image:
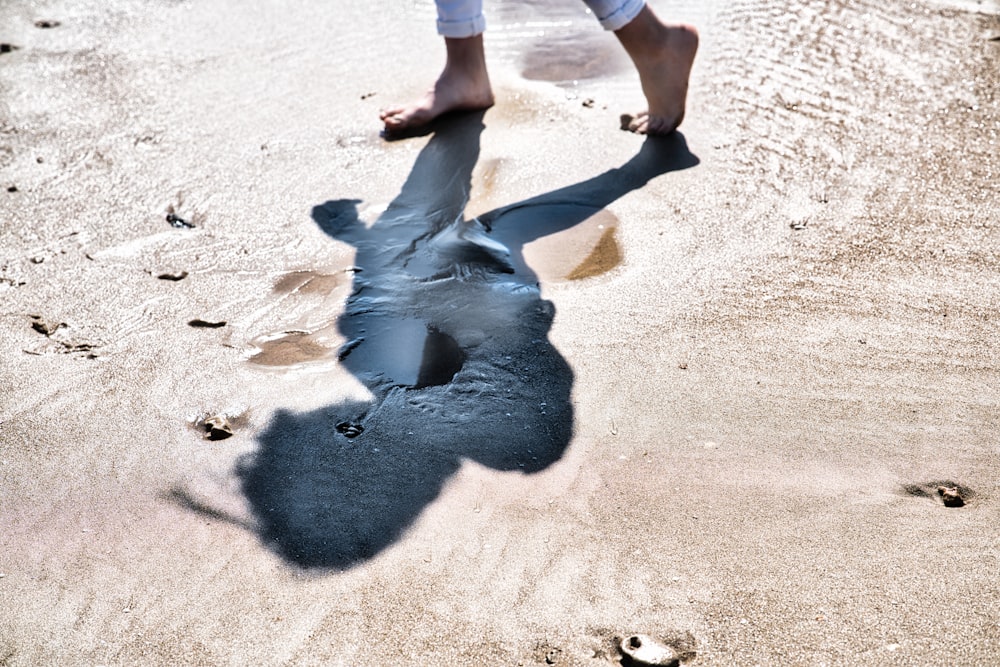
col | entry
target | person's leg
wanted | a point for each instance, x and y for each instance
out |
(663, 55)
(464, 84)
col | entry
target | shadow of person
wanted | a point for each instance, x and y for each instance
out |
(447, 329)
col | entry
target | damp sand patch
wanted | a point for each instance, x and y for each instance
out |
(557, 257)
(289, 349)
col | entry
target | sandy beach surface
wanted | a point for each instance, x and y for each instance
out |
(276, 391)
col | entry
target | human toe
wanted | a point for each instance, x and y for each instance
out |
(661, 125)
(389, 113)
(636, 124)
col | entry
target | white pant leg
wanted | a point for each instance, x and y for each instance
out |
(460, 18)
(615, 14)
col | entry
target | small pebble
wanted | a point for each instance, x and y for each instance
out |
(951, 496)
(198, 323)
(178, 222)
(349, 430)
(644, 650)
(217, 427)
(46, 327)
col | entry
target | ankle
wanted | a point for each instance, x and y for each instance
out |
(466, 53)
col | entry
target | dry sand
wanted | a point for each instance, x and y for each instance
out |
(725, 431)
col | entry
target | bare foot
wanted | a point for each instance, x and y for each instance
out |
(464, 85)
(663, 56)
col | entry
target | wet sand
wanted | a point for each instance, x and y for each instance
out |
(512, 391)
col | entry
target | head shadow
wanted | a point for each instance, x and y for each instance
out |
(447, 329)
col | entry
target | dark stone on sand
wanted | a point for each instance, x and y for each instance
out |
(951, 496)
(44, 327)
(951, 493)
(204, 324)
(174, 277)
(178, 222)
(217, 427)
(7, 48)
(47, 23)
(11, 188)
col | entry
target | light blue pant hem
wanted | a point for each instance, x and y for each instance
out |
(464, 18)
(462, 29)
(621, 14)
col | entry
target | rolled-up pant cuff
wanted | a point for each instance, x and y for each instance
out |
(616, 15)
(464, 18)
(461, 29)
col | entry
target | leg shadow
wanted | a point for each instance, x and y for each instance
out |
(447, 329)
